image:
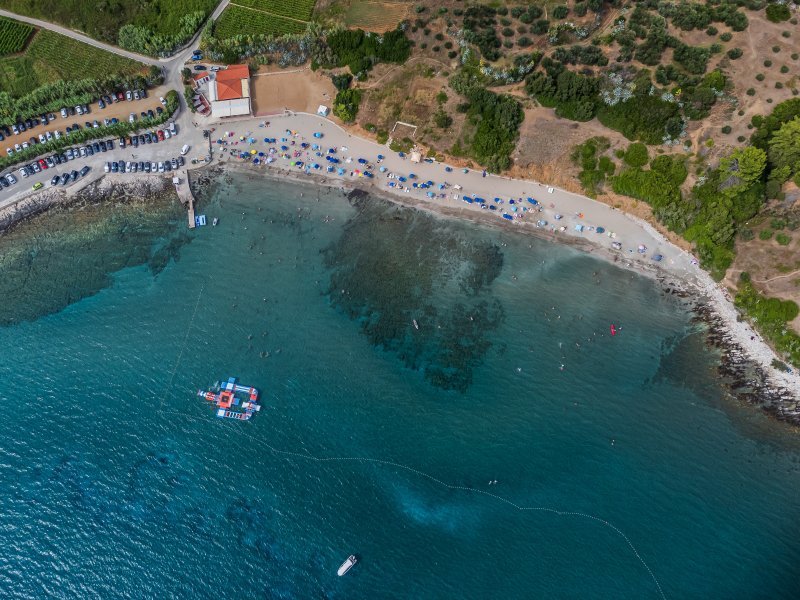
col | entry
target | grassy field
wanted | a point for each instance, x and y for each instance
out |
(51, 56)
(238, 19)
(13, 36)
(103, 18)
(376, 16)
(295, 9)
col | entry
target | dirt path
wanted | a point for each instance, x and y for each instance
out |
(405, 64)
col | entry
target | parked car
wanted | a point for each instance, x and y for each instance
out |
(114, 167)
(199, 67)
(84, 171)
(103, 147)
(96, 148)
(43, 164)
(161, 167)
(161, 99)
(24, 172)
(167, 134)
(147, 167)
(106, 121)
(50, 162)
(89, 150)
(101, 104)
(159, 110)
(4, 182)
(122, 142)
(160, 135)
(11, 179)
(10, 151)
(95, 124)
(110, 144)
(107, 167)
(142, 93)
(86, 109)
(174, 164)
(64, 113)
(64, 178)
(82, 151)
(132, 117)
(215, 68)
(57, 134)
(36, 168)
(38, 185)
(55, 179)
(141, 166)
(151, 114)
(48, 135)
(185, 149)
(134, 141)
(56, 158)
(114, 120)
(135, 94)
(74, 175)
(154, 167)
(172, 128)
(79, 109)
(42, 139)
(128, 95)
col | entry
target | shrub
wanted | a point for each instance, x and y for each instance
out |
(783, 239)
(507, 32)
(524, 42)
(560, 12)
(751, 92)
(522, 29)
(786, 34)
(580, 8)
(452, 54)
(778, 13)
(540, 27)
(448, 44)
(342, 81)
(423, 45)
(765, 234)
(442, 119)
(795, 55)
(508, 44)
(746, 235)
(439, 36)
(768, 63)
(734, 53)
(505, 22)
(382, 136)
(712, 31)
(760, 77)
(636, 155)
(345, 105)
(776, 49)
(778, 85)
(726, 129)
(741, 139)
(726, 37)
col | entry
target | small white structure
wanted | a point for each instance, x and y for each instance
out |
(416, 156)
(322, 111)
(176, 180)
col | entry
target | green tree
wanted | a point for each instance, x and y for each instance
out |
(784, 147)
(742, 168)
(345, 106)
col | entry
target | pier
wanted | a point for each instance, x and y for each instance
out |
(184, 191)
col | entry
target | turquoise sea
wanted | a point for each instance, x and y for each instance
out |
(623, 468)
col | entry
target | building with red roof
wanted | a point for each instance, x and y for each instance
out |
(229, 91)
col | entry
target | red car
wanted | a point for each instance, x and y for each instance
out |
(120, 97)
(42, 164)
(160, 135)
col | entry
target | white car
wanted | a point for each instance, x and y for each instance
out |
(25, 145)
(128, 95)
(215, 68)
(42, 139)
(128, 167)
(185, 149)
(57, 133)
(107, 168)
(82, 151)
(11, 179)
(167, 134)
(132, 117)
(172, 129)
(135, 94)
(64, 113)
(153, 167)
(79, 109)
(161, 167)
(161, 99)
(9, 151)
(23, 172)
(48, 135)
(17, 147)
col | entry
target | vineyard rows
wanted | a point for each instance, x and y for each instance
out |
(296, 9)
(13, 36)
(236, 20)
(51, 56)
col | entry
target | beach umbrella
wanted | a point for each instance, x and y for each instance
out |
(253, 152)
(392, 184)
(401, 154)
(431, 194)
(383, 170)
(465, 171)
(380, 157)
(600, 230)
(261, 154)
(402, 178)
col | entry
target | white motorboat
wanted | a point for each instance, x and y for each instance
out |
(347, 565)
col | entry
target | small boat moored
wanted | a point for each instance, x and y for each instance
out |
(347, 565)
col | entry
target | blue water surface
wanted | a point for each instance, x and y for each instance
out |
(622, 468)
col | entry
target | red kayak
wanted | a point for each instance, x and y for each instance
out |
(613, 329)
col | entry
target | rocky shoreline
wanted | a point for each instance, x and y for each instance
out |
(102, 190)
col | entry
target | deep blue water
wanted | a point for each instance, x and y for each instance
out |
(638, 474)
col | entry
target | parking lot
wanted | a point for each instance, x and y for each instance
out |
(146, 152)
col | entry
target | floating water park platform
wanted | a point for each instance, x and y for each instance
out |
(233, 401)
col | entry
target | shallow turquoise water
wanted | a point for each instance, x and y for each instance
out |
(117, 481)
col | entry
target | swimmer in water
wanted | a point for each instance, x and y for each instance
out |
(561, 368)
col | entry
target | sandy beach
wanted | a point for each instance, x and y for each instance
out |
(569, 217)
